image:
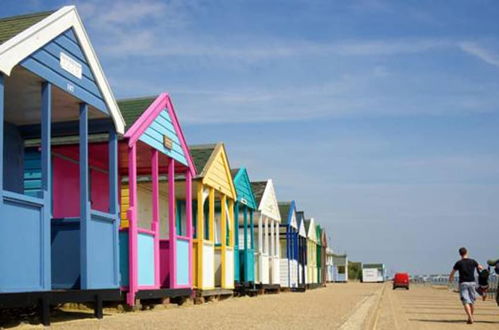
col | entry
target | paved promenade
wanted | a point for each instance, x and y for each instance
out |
(339, 306)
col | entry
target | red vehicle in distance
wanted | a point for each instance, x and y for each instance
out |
(401, 280)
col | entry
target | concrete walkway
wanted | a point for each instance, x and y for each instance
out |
(339, 306)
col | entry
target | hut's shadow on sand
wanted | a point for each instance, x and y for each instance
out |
(63, 316)
(56, 316)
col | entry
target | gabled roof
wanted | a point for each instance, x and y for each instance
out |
(23, 35)
(300, 218)
(141, 113)
(12, 26)
(258, 190)
(266, 199)
(307, 225)
(311, 230)
(284, 208)
(213, 167)
(318, 234)
(243, 187)
(132, 109)
(324, 237)
(288, 213)
(201, 154)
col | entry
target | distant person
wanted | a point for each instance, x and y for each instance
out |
(483, 283)
(467, 285)
(495, 264)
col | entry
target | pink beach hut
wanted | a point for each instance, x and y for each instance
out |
(156, 212)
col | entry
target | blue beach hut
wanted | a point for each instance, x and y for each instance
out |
(288, 233)
(52, 86)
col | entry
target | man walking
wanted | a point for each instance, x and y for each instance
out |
(466, 268)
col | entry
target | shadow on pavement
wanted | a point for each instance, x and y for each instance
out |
(453, 321)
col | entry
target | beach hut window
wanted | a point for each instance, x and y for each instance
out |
(228, 226)
(17, 165)
(32, 172)
(252, 235)
(284, 250)
(239, 212)
(181, 218)
(206, 213)
(194, 219)
(218, 222)
(163, 209)
(256, 241)
(144, 205)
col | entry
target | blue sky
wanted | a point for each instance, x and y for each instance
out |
(379, 118)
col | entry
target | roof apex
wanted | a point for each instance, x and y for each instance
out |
(33, 37)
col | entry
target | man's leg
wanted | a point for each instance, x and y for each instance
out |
(473, 294)
(467, 297)
(468, 310)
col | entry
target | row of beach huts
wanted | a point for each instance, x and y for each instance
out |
(104, 200)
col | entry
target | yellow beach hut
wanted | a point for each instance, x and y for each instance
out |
(312, 239)
(213, 207)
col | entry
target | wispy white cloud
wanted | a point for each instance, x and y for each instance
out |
(121, 14)
(133, 45)
(153, 28)
(370, 6)
(375, 93)
(389, 46)
(316, 104)
(485, 55)
(162, 32)
(133, 27)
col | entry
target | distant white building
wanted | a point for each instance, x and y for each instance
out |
(329, 265)
(340, 268)
(372, 273)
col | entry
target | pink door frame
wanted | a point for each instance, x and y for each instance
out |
(133, 229)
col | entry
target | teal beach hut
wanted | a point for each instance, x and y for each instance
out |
(245, 206)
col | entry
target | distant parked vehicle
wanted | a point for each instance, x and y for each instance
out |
(401, 280)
